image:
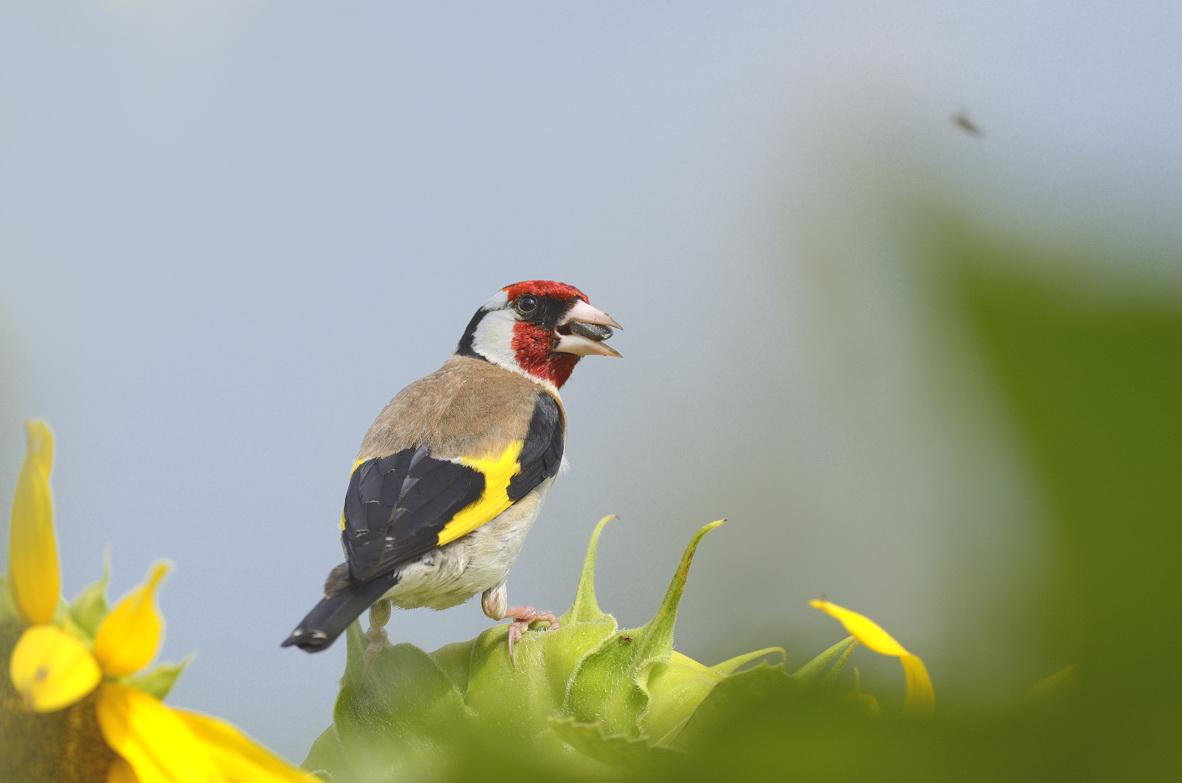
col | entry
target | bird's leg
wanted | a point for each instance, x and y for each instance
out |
(379, 615)
(495, 601)
(522, 617)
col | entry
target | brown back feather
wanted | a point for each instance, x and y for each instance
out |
(466, 408)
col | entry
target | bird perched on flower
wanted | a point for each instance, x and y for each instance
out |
(452, 473)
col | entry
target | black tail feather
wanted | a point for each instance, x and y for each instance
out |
(329, 618)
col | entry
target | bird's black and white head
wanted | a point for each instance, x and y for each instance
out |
(539, 328)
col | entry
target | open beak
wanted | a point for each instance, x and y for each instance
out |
(583, 330)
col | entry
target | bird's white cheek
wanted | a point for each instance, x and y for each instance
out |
(494, 338)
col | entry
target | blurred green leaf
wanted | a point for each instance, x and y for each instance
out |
(732, 698)
(624, 753)
(402, 703)
(327, 758)
(1093, 370)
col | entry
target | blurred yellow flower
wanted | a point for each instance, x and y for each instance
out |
(55, 665)
(920, 699)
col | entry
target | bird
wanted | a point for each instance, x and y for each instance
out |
(452, 473)
(962, 120)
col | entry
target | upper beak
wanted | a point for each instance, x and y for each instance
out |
(583, 330)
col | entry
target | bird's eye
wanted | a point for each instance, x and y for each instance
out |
(526, 305)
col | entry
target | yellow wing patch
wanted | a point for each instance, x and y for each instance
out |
(497, 472)
(356, 463)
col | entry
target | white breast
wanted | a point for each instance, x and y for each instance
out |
(453, 573)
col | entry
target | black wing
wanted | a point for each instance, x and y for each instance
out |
(541, 455)
(398, 505)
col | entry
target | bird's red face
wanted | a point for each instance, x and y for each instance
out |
(540, 328)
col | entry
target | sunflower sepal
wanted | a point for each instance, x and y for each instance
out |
(811, 672)
(732, 665)
(159, 680)
(89, 608)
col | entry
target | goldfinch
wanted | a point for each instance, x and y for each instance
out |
(452, 473)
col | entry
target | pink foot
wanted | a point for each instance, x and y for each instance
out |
(522, 617)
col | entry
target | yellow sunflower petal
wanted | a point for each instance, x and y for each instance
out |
(152, 739)
(238, 757)
(32, 550)
(862, 628)
(128, 638)
(920, 698)
(51, 669)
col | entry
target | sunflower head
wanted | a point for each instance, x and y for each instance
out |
(76, 705)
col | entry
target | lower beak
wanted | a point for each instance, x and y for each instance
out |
(585, 330)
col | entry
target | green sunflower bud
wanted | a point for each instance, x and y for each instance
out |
(575, 702)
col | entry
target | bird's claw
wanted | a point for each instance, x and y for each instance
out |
(522, 617)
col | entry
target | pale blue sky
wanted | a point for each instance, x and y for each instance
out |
(230, 231)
